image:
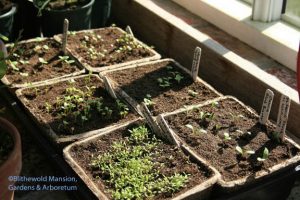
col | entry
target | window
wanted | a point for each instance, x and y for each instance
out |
(292, 12)
(249, 1)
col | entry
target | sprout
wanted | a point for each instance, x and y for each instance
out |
(264, 156)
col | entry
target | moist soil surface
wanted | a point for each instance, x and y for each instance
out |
(106, 47)
(244, 130)
(26, 65)
(6, 146)
(5, 6)
(173, 159)
(142, 81)
(47, 102)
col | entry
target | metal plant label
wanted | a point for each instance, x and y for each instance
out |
(166, 131)
(283, 114)
(196, 63)
(129, 31)
(65, 36)
(147, 114)
(109, 88)
(266, 107)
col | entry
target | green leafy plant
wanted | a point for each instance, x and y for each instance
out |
(226, 136)
(131, 171)
(147, 100)
(275, 136)
(196, 130)
(264, 156)
(192, 93)
(123, 108)
(244, 152)
(206, 116)
(66, 59)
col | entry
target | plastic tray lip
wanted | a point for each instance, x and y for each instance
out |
(235, 184)
(10, 84)
(135, 104)
(47, 130)
(81, 60)
(203, 187)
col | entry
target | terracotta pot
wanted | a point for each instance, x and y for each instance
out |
(12, 166)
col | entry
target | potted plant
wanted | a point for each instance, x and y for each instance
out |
(10, 146)
(163, 86)
(7, 12)
(37, 61)
(227, 134)
(74, 108)
(130, 162)
(53, 12)
(107, 48)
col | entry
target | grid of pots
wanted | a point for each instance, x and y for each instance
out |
(133, 126)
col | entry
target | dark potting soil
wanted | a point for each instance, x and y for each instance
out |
(49, 103)
(105, 47)
(6, 146)
(244, 130)
(173, 159)
(5, 6)
(142, 81)
(25, 65)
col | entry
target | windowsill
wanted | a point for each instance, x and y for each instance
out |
(278, 40)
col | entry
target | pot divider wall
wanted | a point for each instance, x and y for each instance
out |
(241, 183)
(5, 80)
(200, 191)
(41, 119)
(84, 61)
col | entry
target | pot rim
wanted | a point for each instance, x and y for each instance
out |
(64, 10)
(12, 11)
(14, 133)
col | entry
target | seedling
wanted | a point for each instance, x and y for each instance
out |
(206, 116)
(214, 104)
(66, 59)
(164, 82)
(13, 65)
(192, 93)
(123, 108)
(244, 152)
(264, 156)
(226, 136)
(41, 60)
(148, 101)
(178, 77)
(275, 136)
(195, 130)
(131, 170)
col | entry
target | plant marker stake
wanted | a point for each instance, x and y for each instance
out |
(166, 131)
(146, 113)
(129, 31)
(109, 88)
(283, 114)
(65, 36)
(266, 107)
(196, 63)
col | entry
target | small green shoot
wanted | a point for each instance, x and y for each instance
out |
(66, 59)
(42, 60)
(264, 156)
(196, 130)
(192, 93)
(226, 136)
(244, 152)
(147, 100)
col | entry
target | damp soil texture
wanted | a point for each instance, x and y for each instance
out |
(38, 61)
(214, 132)
(145, 164)
(75, 106)
(6, 146)
(163, 86)
(104, 47)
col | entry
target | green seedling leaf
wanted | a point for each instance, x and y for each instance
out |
(264, 156)
(189, 126)
(192, 93)
(41, 60)
(239, 150)
(214, 104)
(178, 78)
(226, 136)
